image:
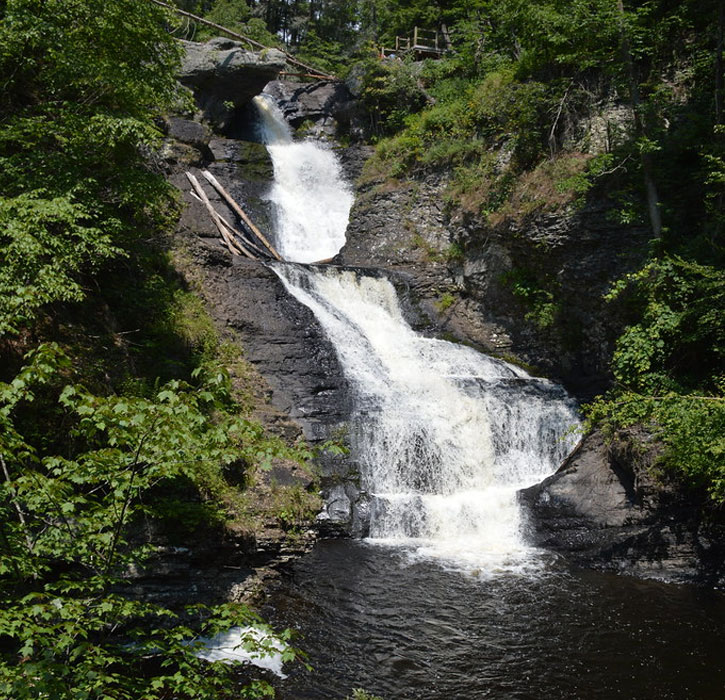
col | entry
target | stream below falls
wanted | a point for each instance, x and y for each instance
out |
(370, 617)
(445, 599)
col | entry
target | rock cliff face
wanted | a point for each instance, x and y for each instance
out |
(606, 508)
(224, 76)
(304, 389)
(322, 109)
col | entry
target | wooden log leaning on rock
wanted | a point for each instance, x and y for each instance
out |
(234, 247)
(240, 239)
(241, 242)
(218, 187)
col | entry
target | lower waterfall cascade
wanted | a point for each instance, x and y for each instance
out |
(444, 435)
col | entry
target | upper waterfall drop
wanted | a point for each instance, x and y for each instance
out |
(310, 197)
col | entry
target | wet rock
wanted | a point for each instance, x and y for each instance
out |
(403, 228)
(604, 508)
(224, 76)
(280, 335)
(338, 508)
(326, 107)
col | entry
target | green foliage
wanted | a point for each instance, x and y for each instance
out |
(237, 16)
(459, 131)
(294, 506)
(326, 55)
(70, 641)
(543, 309)
(454, 253)
(83, 82)
(445, 301)
(46, 243)
(389, 92)
(679, 343)
(690, 427)
(669, 368)
(157, 435)
(65, 537)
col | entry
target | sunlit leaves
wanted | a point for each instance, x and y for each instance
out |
(82, 82)
(669, 368)
(65, 526)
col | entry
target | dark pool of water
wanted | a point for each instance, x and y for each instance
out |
(371, 619)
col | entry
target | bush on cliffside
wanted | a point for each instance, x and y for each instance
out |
(668, 369)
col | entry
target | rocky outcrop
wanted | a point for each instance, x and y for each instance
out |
(543, 280)
(280, 336)
(323, 108)
(402, 227)
(225, 76)
(297, 369)
(604, 508)
(304, 387)
(530, 290)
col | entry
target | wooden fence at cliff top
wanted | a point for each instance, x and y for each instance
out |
(423, 43)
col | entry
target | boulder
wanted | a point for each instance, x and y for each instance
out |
(188, 131)
(607, 508)
(224, 75)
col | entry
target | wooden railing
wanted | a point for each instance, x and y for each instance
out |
(423, 43)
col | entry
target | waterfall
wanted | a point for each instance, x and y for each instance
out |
(444, 435)
(310, 198)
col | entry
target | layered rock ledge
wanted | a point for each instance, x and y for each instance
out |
(607, 507)
(225, 76)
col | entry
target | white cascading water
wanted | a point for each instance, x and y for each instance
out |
(444, 435)
(310, 197)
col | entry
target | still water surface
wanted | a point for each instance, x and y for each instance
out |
(373, 618)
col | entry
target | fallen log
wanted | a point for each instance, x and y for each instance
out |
(239, 237)
(241, 240)
(233, 246)
(218, 187)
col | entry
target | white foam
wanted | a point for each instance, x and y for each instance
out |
(247, 644)
(445, 436)
(310, 197)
